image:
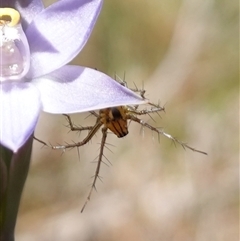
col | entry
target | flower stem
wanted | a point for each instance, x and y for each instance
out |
(13, 170)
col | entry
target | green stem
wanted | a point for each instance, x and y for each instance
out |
(13, 169)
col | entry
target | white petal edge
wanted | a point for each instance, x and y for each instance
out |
(74, 89)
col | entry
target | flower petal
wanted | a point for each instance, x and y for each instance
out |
(19, 106)
(73, 89)
(28, 10)
(59, 33)
(7, 3)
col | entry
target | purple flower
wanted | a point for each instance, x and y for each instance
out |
(55, 36)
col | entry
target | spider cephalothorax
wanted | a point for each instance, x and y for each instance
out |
(115, 119)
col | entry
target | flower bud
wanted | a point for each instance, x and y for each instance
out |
(14, 48)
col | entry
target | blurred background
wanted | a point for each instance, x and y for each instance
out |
(185, 54)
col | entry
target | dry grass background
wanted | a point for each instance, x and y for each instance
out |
(186, 53)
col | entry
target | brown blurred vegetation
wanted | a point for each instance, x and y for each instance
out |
(186, 54)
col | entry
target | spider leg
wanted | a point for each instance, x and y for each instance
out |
(92, 129)
(94, 113)
(91, 133)
(40, 141)
(99, 162)
(154, 109)
(122, 82)
(76, 128)
(161, 132)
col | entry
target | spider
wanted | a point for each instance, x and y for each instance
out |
(115, 119)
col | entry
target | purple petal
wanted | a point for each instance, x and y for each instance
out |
(73, 89)
(28, 10)
(20, 107)
(59, 33)
(7, 3)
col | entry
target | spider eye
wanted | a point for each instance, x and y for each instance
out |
(116, 113)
